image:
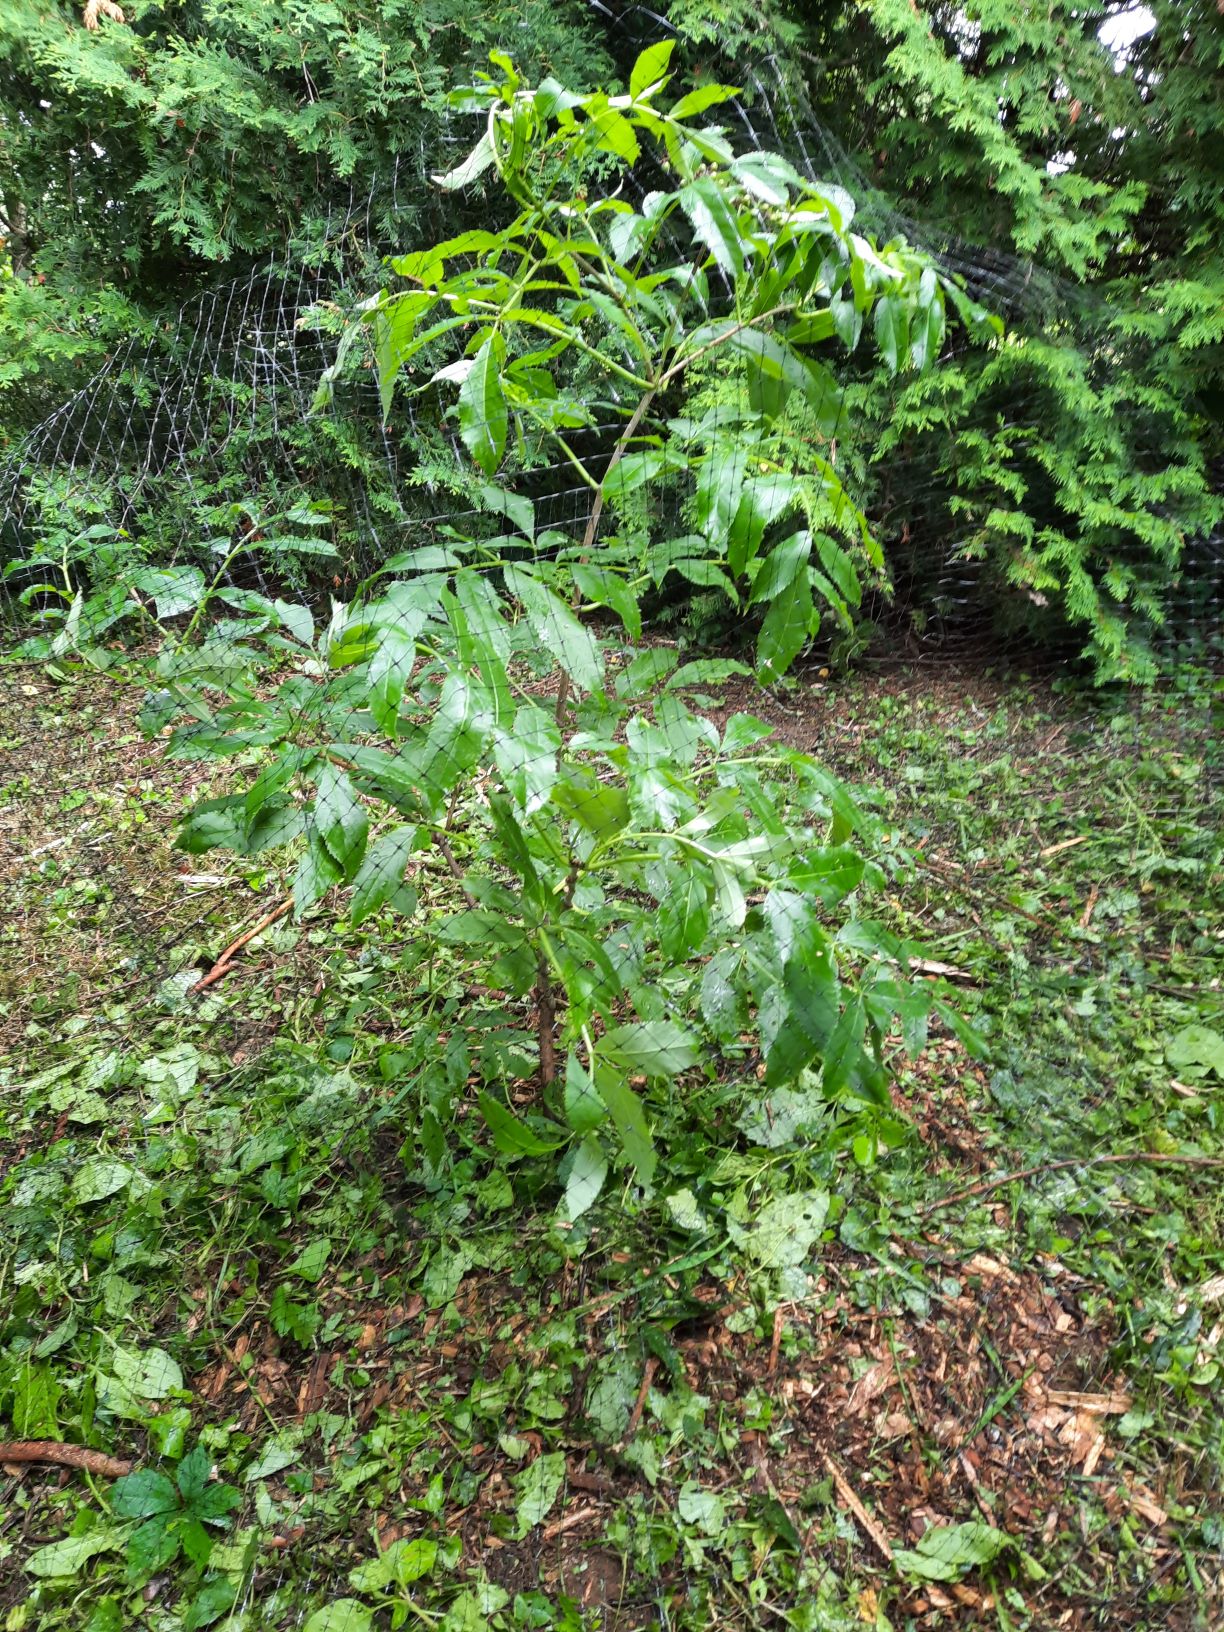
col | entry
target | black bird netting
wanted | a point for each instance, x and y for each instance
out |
(213, 408)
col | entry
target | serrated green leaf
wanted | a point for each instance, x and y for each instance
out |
(99, 1177)
(702, 1508)
(317, 872)
(557, 629)
(629, 1117)
(344, 1615)
(650, 67)
(175, 590)
(785, 1230)
(684, 916)
(837, 563)
(478, 926)
(714, 223)
(526, 756)
(686, 1211)
(657, 1048)
(151, 1546)
(192, 1473)
(297, 620)
(1196, 1046)
(586, 1177)
(400, 1565)
(35, 1397)
(66, 1558)
(601, 808)
(210, 1603)
(340, 818)
(538, 1487)
(789, 624)
(483, 416)
(705, 96)
(390, 669)
(828, 874)
(603, 587)
(381, 872)
(584, 1110)
(312, 1260)
(945, 1552)
(891, 331)
(143, 1494)
(150, 1374)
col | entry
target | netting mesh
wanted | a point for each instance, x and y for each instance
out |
(214, 408)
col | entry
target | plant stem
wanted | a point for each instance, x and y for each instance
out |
(1172, 1159)
(546, 1010)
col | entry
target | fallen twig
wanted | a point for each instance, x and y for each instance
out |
(456, 872)
(222, 965)
(578, 1516)
(1067, 844)
(594, 1484)
(779, 1321)
(942, 971)
(846, 1492)
(987, 1185)
(979, 887)
(972, 1480)
(635, 1416)
(64, 1456)
(1089, 906)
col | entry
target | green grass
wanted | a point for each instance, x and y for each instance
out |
(416, 1398)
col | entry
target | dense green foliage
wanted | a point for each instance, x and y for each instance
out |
(143, 159)
(1093, 442)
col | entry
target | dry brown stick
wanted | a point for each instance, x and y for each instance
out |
(846, 1492)
(974, 1484)
(64, 1456)
(1089, 906)
(973, 885)
(779, 1321)
(594, 1484)
(987, 1185)
(635, 1416)
(1066, 844)
(221, 967)
(579, 1515)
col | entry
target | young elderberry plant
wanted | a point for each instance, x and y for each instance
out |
(655, 894)
(83, 583)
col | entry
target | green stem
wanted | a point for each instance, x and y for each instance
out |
(720, 340)
(583, 473)
(208, 594)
